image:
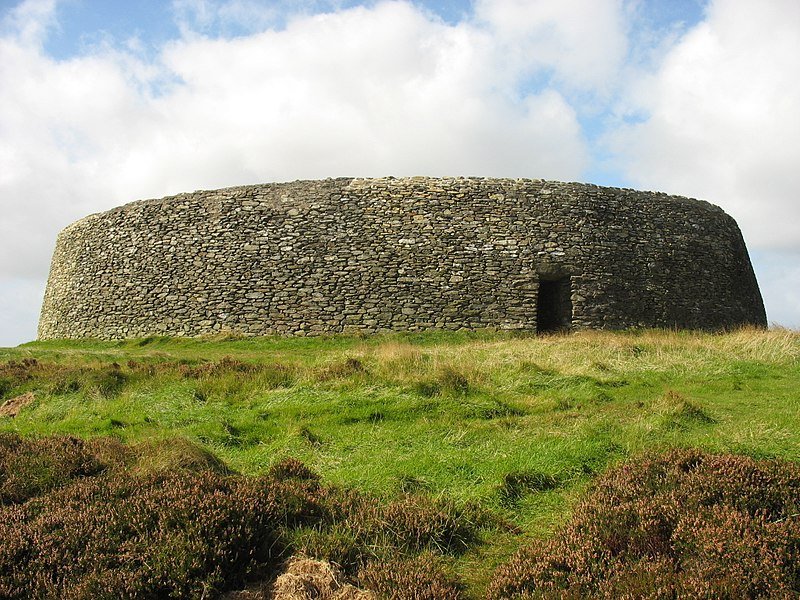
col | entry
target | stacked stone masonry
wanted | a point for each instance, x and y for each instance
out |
(371, 255)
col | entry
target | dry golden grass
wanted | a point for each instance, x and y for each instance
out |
(584, 352)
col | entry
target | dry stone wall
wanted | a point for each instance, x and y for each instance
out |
(371, 255)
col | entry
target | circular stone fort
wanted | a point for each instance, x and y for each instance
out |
(373, 255)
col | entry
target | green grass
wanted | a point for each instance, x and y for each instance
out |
(458, 415)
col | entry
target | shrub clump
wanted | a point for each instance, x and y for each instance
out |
(342, 370)
(224, 366)
(683, 524)
(15, 372)
(155, 535)
(32, 467)
(422, 577)
(81, 519)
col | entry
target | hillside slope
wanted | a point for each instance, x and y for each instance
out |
(514, 426)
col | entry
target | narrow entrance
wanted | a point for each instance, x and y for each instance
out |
(554, 306)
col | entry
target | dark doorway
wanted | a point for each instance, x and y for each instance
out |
(554, 306)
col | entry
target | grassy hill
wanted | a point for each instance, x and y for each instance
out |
(516, 425)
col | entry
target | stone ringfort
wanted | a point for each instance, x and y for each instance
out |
(372, 255)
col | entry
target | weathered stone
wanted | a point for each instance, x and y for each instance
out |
(372, 255)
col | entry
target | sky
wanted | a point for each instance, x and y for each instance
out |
(104, 102)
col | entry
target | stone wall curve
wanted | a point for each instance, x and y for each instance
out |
(372, 255)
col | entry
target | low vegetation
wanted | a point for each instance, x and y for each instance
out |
(684, 524)
(92, 525)
(145, 467)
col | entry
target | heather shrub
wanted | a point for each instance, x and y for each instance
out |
(422, 577)
(18, 371)
(224, 366)
(104, 380)
(733, 554)
(418, 522)
(83, 519)
(157, 535)
(6, 385)
(31, 467)
(97, 518)
(341, 370)
(16, 376)
(685, 524)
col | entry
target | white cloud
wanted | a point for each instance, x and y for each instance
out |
(61, 125)
(584, 43)
(407, 95)
(194, 16)
(723, 119)
(29, 21)
(722, 122)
